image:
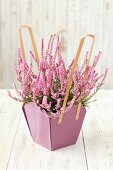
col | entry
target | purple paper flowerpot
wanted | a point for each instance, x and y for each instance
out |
(47, 132)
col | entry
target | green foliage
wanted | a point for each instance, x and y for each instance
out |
(86, 100)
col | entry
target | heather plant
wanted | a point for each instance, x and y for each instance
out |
(47, 87)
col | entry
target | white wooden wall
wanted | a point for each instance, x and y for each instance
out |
(70, 18)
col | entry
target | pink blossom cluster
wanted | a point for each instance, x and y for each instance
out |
(47, 87)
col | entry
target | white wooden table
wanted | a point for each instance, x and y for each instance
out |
(93, 150)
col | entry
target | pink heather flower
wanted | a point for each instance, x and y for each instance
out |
(18, 73)
(70, 105)
(42, 48)
(32, 56)
(47, 87)
(49, 75)
(105, 74)
(96, 59)
(51, 48)
(27, 76)
(55, 95)
(62, 73)
(15, 98)
(45, 103)
(57, 48)
(15, 88)
(58, 103)
(85, 62)
(19, 57)
(49, 60)
(47, 51)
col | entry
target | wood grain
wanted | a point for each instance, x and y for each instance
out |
(27, 154)
(10, 113)
(71, 19)
(93, 150)
(98, 133)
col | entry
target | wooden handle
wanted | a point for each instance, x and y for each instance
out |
(73, 70)
(32, 41)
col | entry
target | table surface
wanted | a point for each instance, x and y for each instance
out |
(93, 150)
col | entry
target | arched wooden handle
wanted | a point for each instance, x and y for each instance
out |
(72, 71)
(32, 41)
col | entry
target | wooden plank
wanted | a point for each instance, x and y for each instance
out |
(5, 39)
(61, 11)
(98, 133)
(24, 154)
(37, 20)
(71, 18)
(10, 113)
(48, 20)
(15, 14)
(25, 18)
(73, 29)
(37, 25)
(0, 50)
(107, 41)
(85, 26)
(28, 155)
(96, 26)
(8, 31)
